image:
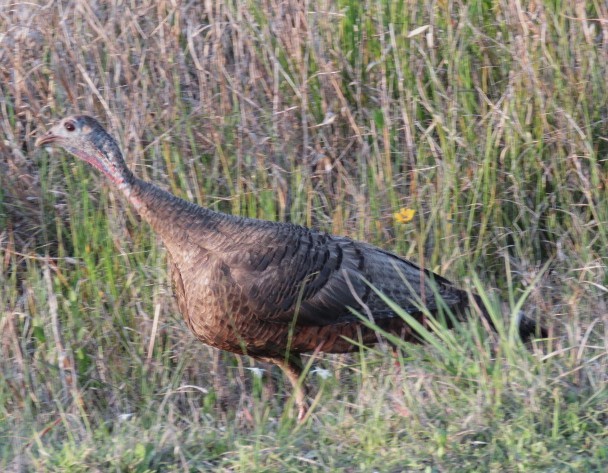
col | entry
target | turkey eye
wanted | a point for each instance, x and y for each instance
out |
(69, 126)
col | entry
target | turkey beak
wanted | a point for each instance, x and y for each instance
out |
(46, 139)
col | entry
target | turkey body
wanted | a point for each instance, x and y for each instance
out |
(266, 289)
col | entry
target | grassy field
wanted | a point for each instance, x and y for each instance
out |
(489, 119)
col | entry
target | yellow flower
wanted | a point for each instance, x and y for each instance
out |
(405, 215)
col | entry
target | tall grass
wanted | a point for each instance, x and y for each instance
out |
(487, 118)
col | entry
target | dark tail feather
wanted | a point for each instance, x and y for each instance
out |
(528, 328)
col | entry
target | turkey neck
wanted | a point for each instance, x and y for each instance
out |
(171, 217)
(175, 220)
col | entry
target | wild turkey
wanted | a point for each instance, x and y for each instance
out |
(265, 289)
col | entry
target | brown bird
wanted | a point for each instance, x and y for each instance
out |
(266, 289)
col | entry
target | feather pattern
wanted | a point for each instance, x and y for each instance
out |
(245, 285)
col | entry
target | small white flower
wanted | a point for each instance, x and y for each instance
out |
(322, 373)
(257, 372)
